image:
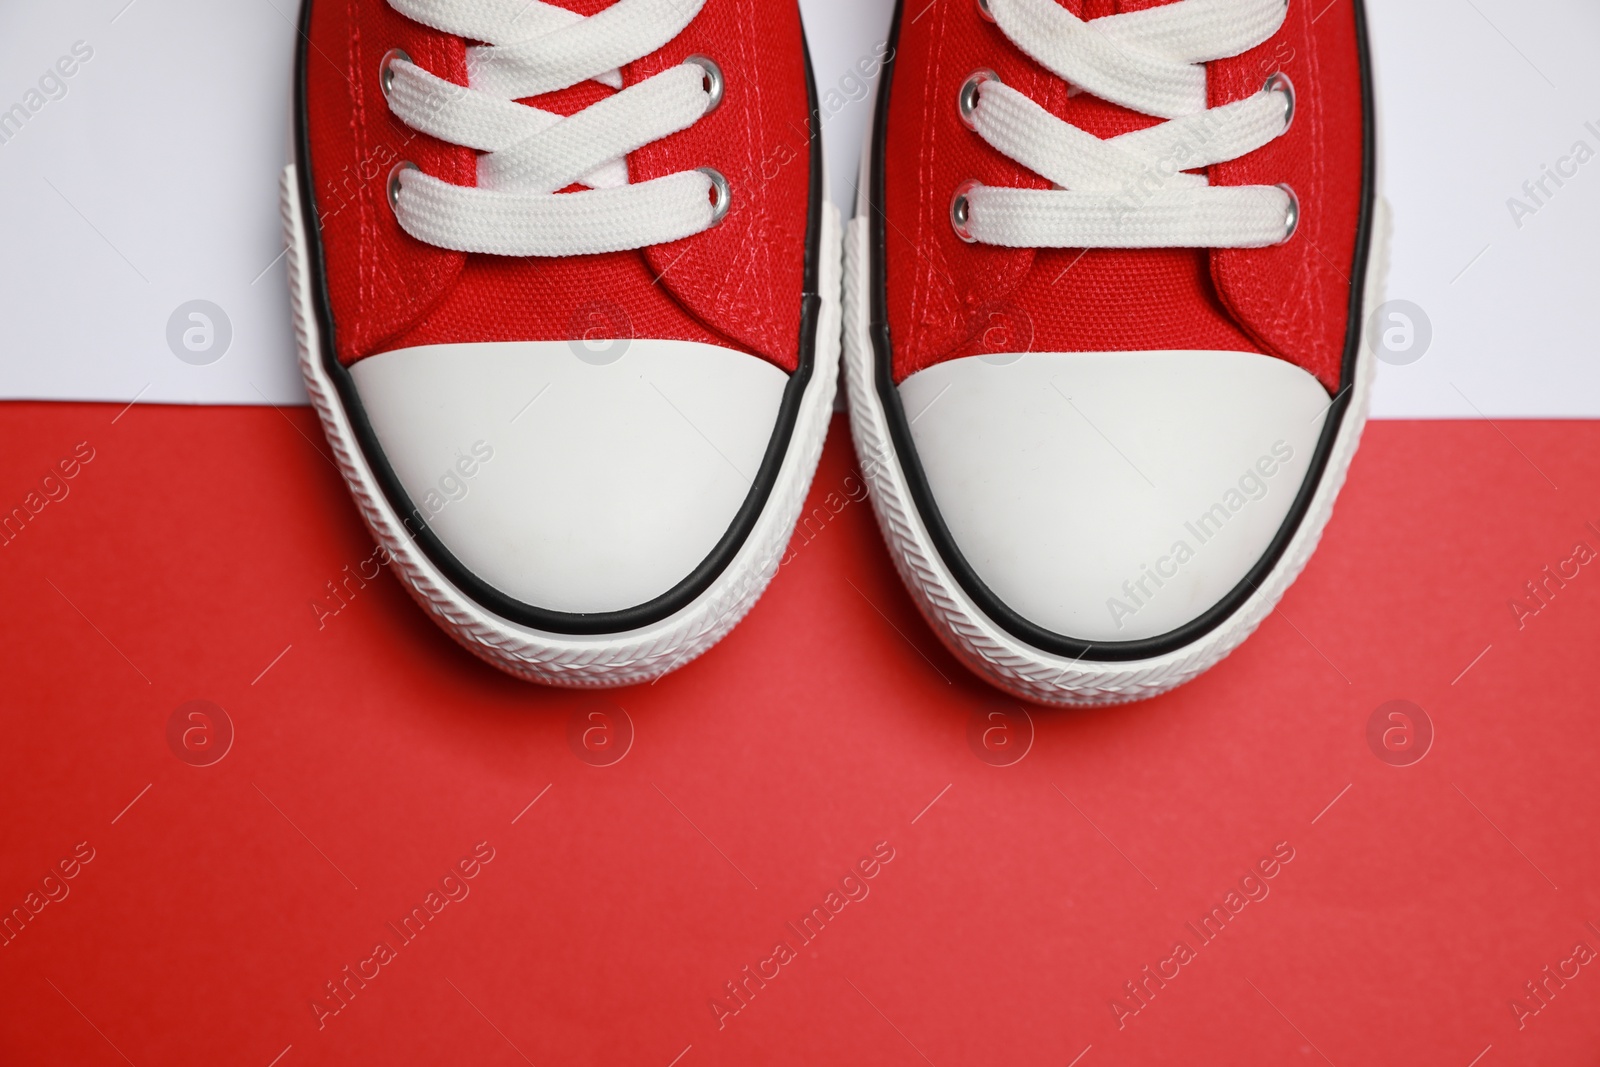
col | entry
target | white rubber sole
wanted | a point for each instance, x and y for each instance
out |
(986, 648)
(605, 660)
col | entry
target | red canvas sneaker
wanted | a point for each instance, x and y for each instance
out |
(1104, 301)
(566, 294)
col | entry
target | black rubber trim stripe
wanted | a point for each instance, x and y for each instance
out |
(585, 624)
(900, 431)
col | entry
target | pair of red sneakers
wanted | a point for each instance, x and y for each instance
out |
(569, 300)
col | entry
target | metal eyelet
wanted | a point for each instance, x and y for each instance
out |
(386, 69)
(967, 99)
(1280, 83)
(1292, 221)
(961, 211)
(984, 12)
(394, 182)
(722, 194)
(714, 84)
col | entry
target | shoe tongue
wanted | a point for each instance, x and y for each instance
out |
(1095, 9)
(587, 8)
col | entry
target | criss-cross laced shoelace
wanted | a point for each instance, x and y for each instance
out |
(533, 48)
(1131, 191)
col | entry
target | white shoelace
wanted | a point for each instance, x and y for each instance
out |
(1129, 191)
(535, 48)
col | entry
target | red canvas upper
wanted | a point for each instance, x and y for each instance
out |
(948, 299)
(737, 285)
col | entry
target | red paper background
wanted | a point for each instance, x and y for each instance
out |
(375, 753)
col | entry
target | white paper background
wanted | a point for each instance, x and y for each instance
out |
(153, 182)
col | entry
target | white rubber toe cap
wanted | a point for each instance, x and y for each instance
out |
(568, 479)
(1114, 496)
